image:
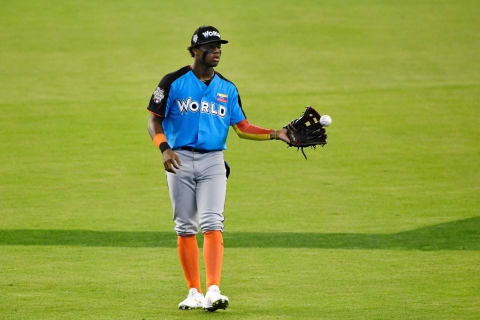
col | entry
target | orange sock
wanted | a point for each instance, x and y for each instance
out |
(188, 253)
(213, 256)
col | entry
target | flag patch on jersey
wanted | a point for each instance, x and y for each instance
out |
(222, 97)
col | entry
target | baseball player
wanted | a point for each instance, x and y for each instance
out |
(191, 112)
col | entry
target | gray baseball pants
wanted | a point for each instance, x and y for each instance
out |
(197, 192)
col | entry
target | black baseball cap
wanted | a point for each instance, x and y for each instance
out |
(204, 35)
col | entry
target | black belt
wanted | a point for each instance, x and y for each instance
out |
(197, 150)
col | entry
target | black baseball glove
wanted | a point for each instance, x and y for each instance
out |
(306, 131)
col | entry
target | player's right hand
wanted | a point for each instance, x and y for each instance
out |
(171, 160)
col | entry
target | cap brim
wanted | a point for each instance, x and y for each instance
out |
(211, 41)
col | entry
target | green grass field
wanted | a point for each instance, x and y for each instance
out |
(382, 223)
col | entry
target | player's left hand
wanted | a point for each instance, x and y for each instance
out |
(282, 135)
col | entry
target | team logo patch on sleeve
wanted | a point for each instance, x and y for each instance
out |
(221, 97)
(158, 95)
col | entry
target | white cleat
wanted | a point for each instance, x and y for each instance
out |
(195, 300)
(214, 300)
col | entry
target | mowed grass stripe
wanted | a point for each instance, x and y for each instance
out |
(455, 235)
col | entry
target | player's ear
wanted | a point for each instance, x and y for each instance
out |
(196, 51)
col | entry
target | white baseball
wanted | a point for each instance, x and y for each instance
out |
(325, 120)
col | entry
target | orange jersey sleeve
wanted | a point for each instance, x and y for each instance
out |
(246, 130)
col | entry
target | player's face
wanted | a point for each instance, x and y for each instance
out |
(210, 53)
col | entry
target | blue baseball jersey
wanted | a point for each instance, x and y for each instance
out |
(195, 114)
